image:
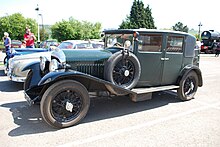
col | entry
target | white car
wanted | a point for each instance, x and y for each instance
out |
(18, 63)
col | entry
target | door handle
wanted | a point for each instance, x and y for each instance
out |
(164, 59)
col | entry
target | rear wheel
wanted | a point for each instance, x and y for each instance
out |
(188, 86)
(64, 103)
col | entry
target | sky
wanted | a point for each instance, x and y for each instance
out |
(110, 13)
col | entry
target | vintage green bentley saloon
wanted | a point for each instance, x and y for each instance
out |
(134, 63)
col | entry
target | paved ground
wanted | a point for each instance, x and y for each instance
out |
(162, 121)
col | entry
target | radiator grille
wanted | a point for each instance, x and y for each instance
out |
(92, 69)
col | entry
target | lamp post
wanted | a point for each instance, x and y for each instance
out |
(38, 29)
(200, 24)
(42, 24)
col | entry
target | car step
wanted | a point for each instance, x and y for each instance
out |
(142, 94)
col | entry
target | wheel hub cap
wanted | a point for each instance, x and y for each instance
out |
(191, 87)
(69, 106)
(126, 73)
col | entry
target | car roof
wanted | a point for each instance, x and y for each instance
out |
(143, 30)
(76, 41)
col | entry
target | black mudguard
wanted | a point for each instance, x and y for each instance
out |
(187, 69)
(92, 84)
(36, 73)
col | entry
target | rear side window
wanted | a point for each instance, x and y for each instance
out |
(175, 44)
(150, 43)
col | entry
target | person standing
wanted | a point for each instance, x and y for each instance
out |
(217, 50)
(7, 44)
(29, 38)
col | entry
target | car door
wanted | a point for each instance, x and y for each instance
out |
(149, 52)
(172, 58)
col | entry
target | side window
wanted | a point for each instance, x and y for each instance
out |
(175, 44)
(150, 43)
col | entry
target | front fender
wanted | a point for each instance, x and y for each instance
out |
(90, 82)
(54, 76)
(34, 67)
(189, 68)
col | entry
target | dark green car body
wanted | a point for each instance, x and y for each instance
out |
(134, 62)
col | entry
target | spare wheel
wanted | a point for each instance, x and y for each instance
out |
(123, 69)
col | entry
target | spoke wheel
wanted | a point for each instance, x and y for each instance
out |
(124, 73)
(188, 86)
(122, 70)
(65, 103)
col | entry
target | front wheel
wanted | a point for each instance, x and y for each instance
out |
(188, 86)
(64, 103)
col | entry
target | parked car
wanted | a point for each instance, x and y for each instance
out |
(20, 51)
(17, 63)
(16, 44)
(134, 63)
(48, 43)
(79, 44)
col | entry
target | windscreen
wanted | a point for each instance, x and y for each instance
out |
(119, 40)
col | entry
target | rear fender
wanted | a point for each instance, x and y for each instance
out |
(189, 68)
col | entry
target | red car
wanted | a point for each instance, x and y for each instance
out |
(16, 44)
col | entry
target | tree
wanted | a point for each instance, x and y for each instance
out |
(75, 30)
(62, 31)
(140, 17)
(150, 19)
(15, 25)
(180, 27)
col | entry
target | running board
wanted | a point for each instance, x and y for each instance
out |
(142, 94)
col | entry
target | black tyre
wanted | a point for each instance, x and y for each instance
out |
(188, 86)
(64, 103)
(123, 70)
